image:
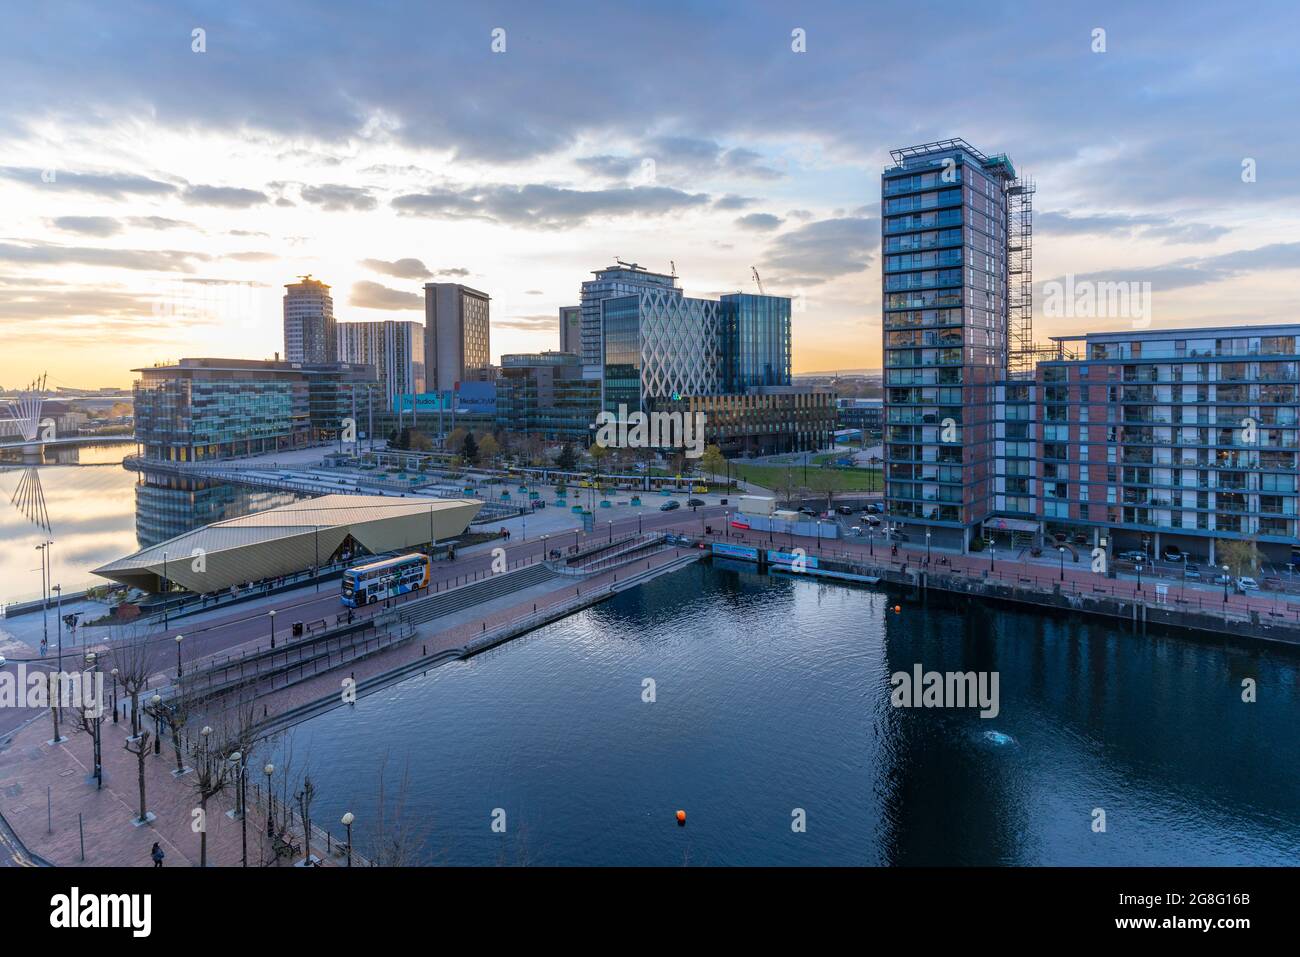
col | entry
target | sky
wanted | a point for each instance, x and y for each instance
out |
(156, 197)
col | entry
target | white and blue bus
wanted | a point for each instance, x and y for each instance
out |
(384, 578)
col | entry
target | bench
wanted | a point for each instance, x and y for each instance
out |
(286, 846)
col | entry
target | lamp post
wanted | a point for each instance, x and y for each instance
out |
(927, 546)
(58, 672)
(179, 670)
(1225, 584)
(156, 701)
(114, 674)
(271, 613)
(1060, 549)
(166, 585)
(237, 759)
(992, 551)
(347, 822)
(611, 531)
(638, 523)
(270, 806)
(45, 604)
(94, 730)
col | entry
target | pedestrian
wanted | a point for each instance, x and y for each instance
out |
(157, 854)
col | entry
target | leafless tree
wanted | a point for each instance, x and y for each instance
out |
(140, 749)
(396, 842)
(213, 769)
(131, 657)
(304, 797)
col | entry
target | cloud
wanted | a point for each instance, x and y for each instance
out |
(760, 222)
(252, 256)
(41, 303)
(826, 248)
(534, 323)
(162, 222)
(1204, 270)
(373, 295)
(401, 268)
(105, 185)
(1152, 226)
(334, 197)
(87, 225)
(231, 197)
(533, 292)
(731, 201)
(159, 260)
(546, 206)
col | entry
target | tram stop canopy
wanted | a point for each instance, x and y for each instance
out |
(289, 539)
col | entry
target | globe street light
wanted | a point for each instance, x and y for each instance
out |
(114, 674)
(272, 614)
(270, 808)
(1225, 584)
(156, 701)
(179, 670)
(347, 822)
(1061, 551)
(237, 759)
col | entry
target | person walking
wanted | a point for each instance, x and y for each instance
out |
(157, 854)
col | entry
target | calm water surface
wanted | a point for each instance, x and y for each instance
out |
(772, 694)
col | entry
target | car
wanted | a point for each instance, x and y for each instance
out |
(1192, 571)
(694, 502)
(669, 505)
(1172, 553)
(874, 507)
(806, 511)
(1135, 556)
(1245, 583)
(855, 530)
(1223, 578)
(844, 510)
(873, 520)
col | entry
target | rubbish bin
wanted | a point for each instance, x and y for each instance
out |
(297, 629)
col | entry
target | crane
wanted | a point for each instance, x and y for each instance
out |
(674, 265)
(754, 270)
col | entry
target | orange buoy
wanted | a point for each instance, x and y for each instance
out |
(681, 817)
(898, 609)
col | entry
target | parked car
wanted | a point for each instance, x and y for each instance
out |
(1136, 556)
(669, 505)
(1245, 583)
(806, 511)
(1192, 572)
(844, 510)
(1223, 578)
(874, 507)
(873, 520)
(1173, 553)
(695, 502)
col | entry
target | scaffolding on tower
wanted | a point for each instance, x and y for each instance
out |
(1020, 277)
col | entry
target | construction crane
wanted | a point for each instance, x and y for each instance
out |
(674, 265)
(754, 270)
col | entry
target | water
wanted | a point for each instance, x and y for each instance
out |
(96, 511)
(773, 695)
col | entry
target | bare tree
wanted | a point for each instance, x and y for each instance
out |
(395, 842)
(131, 656)
(304, 797)
(89, 720)
(213, 768)
(140, 750)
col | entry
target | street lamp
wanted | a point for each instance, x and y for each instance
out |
(114, 674)
(156, 701)
(94, 731)
(1060, 549)
(270, 808)
(927, 546)
(611, 531)
(272, 614)
(992, 549)
(179, 670)
(347, 822)
(1225, 584)
(237, 759)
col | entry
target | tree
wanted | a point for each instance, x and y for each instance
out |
(1241, 555)
(598, 454)
(140, 749)
(455, 440)
(827, 481)
(131, 657)
(568, 458)
(713, 461)
(470, 449)
(305, 798)
(211, 775)
(488, 449)
(788, 485)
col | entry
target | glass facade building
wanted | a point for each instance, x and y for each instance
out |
(755, 333)
(614, 282)
(945, 318)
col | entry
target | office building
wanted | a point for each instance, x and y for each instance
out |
(545, 394)
(617, 281)
(396, 350)
(457, 334)
(309, 333)
(763, 420)
(755, 339)
(571, 330)
(205, 408)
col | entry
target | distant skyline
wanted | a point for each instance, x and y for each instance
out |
(157, 200)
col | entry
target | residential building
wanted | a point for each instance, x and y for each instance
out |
(394, 347)
(457, 334)
(309, 333)
(944, 225)
(571, 330)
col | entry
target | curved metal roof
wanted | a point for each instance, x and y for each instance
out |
(288, 539)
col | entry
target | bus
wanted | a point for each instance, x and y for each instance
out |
(384, 578)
